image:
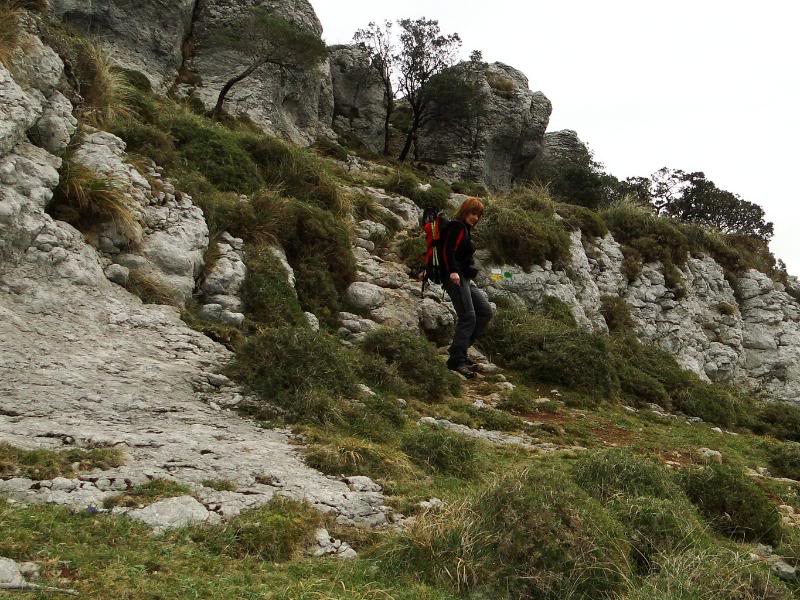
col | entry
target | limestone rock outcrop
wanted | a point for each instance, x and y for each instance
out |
(144, 35)
(358, 97)
(496, 140)
(297, 105)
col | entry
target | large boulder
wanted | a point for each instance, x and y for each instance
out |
(358, 97)
(497, 138)
(297, 105)
(560, 149)
(144, 35)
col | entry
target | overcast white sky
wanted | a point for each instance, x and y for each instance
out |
(698, 85)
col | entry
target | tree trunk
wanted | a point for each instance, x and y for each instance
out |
(217, 113)
(412, 132)
(389, 111)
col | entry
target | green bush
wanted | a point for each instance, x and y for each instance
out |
(276, 532)
(515, 232)
(784, 460)
(779, 419)
(658, 526)
(148, 493)
(733, 503)
(616, 313)
(300, 371)
(442, 451)
(547, 351)
(266, 294)
(296, 171)
(518, 402)
(470, 188)
(147, 140)
(216, 152)
(697, 574)
(416, 362)
(613, 473)
(348, 455)
(492, 419)
(589, 221)
(405, 183)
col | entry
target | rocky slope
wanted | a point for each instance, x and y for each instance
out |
(86, 364)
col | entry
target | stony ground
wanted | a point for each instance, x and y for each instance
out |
(93, 367)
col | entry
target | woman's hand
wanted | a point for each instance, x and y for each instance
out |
(455, 278)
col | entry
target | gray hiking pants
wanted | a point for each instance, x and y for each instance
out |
(474, 313)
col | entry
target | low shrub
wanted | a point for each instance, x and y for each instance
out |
(215, 152)
(733, 503)
(279, 531)
(10, 30)
(220, 485)
(327, 147)
(47, 464)
(779, 419)
(616, 313)
(416, 362)
(547, 351)
(148, 493)
(700, 573)
(295, 171)
(87, 200)
(556, 310)
(405, 183)
(229, 336)
(149, 289)
(470, 188)
(347, 455)
(146, 140)
(300, 371)
(494, 420)
(266, 294)
(518, 402)
(784, 459)
(515, 233)
(107, 94)
(532, 534)
(658, 526)
(613, 473)
(442, 451)
(589, 221)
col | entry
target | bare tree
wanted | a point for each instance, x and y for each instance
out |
(424, 53)
(266, 39)
(378, 40)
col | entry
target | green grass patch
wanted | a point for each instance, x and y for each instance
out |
(47, 464)
(613, 473)
(405, 363)
(442, 451)
(405, 183)
(733, 503)
(148, 493)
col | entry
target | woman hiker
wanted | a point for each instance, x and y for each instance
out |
(458, 271)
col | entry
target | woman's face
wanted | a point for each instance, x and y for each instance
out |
(472, 219)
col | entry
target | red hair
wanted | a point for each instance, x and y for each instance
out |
(470, 206)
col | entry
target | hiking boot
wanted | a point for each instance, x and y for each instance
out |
(463, 369)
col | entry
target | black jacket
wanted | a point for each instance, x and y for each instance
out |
(457, 251)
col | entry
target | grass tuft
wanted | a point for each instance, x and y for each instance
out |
(47, 464)
(148, 493)
(613, 473)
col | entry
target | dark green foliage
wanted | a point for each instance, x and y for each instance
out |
(266, 294)
(587, 220)
(442, 451)
(229, 336)
(300, 371)
(415, 362)
(411, 250)
(518, 402)
(147, 140)
(492, 419)
(784, 460)
(216, 152)
(405, 183)
(278, 531)
(328, 147)
(556, 310)
(296, 171)
(779, 419)
(47, 464)
(516, 230)
(470, 188)
(548, 351)
(653, 238)
(613, 473)
(658, 526)
(616, 313)
(733, 503)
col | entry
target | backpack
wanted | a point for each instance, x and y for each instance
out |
(434, 224)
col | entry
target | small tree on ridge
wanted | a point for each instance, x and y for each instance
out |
(378, 40)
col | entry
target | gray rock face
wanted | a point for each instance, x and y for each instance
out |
(298, 106)
(495, 143)
(143, 35)
(172, 513)
(358, 97)
(224, 281)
